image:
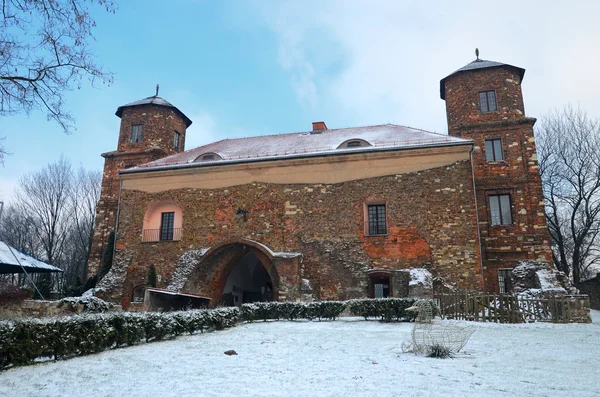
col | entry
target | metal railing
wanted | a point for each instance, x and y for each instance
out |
(153, 235)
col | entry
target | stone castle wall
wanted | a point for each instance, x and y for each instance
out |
(431, 223)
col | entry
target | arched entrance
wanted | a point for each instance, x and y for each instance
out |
(248, 282)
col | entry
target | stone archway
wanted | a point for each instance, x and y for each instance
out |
(249, 281)
(215, 267)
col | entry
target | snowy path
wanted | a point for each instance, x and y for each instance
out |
(342, 358)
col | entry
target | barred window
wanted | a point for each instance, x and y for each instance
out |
(167, 224)
(487, 101)
(376, 219)
(500, 209)
(504, 281)
(493, 150)
(136, 133)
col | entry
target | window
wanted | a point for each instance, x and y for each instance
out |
(376, 219)
(500, 209)
(176, 139)
(208, 157)
(487, 101)
(504, 281)
(136, 133)
(493, 150)
(354, 144)
(167, 223)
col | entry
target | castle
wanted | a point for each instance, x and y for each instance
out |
(326, 213)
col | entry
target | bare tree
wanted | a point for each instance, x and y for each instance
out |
(44, 198)
(84, 197)
(52, 217)
(569, 160)
(45, 51)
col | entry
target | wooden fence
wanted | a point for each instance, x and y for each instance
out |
(502, 308)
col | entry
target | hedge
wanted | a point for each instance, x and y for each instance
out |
(329, 310)
(387, 309)
(23, 341)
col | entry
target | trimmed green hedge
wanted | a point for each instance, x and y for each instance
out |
(329, 310)
(387, 309)
(23, 341)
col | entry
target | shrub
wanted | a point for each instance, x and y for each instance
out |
(292, 310)
(91, 304)
(23, 341)
(438, 351)
(10, 293)
(387, 309)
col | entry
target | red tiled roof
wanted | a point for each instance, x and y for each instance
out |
(304, 144)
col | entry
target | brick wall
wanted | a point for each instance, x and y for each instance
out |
(431, 223)
(159, 124)
(517, 175)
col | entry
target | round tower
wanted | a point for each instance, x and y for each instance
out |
(151, 128)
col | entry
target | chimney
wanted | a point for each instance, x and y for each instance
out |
(319, 126)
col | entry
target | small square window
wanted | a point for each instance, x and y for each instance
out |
(176, 139)
(376, 219)
(500, 209)
(493, 150)
(487, 101)
(136, 133)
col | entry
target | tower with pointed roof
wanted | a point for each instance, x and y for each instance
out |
(484, 103)
(151, 128)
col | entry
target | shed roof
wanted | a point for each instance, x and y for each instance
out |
(385, 137)
(156, 101)
(478, 64)
(9, 265)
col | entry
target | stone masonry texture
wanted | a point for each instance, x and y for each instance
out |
(517, 175)
(159, 125)
(311, 237)
(431, 223)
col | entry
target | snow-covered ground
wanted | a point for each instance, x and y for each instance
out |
(348, 357)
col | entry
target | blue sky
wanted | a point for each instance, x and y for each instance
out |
(242, 68)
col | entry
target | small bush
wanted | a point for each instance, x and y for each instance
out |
(439, 351)
(264, 311)
(386, 309)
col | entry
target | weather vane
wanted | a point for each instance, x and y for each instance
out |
(476, 54)
(157, 90)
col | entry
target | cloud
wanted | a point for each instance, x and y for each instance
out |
(202, 131)
(390, 56)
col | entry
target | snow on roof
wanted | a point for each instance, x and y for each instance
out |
(477, 64)
(153, 100)
(304, 144)
(8, 263)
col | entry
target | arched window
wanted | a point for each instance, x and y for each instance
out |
(162, 222)
(208, 157)
(353, 143)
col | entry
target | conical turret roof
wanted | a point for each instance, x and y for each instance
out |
(156, 101)
(478, 64)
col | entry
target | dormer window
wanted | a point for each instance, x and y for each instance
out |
(352, 143)
(208, 157)
(487, 101)
(136, 133)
